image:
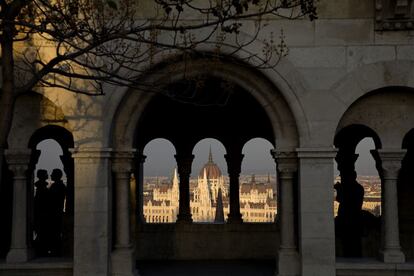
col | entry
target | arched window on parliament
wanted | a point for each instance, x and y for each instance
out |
(209, 184)
(161, 185)
(258, 187)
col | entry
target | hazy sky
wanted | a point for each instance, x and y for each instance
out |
(160, 157)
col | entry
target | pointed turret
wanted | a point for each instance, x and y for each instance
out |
(219, 218)
(210, 156)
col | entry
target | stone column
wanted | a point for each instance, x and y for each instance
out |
(139, 180)
(20, 251)
(234, 162)
(93, 218)
(316, 216)
(184, 162)
(288, 257)
(122, 257)
(390, 166)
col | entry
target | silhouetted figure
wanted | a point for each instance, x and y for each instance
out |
(41, 213)
(57, 194)
(350, 195)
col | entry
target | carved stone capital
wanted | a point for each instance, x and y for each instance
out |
(123, 161)
(184, 162)
(234, 162)
(286, 162)
(18, 161)
(391, 162)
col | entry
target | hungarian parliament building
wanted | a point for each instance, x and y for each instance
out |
(210, 198)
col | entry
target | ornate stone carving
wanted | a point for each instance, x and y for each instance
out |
(394, 15)
(286, 163)
(122, 162)
(18, 161)
(391, 162)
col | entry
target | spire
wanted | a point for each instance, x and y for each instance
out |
(219, 218)
(253, 179)
(268, 178)
(175, 175)
(210, 156)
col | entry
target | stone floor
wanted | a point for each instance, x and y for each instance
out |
(206, 268)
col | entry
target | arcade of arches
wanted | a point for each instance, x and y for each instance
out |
(105, 231)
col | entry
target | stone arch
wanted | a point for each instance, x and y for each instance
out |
(365, 80)
(386, 111)
(33, 111)
(272, 100)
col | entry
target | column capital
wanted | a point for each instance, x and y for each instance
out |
(122, 160)
(234, 161)
(390, 161)
(18, 161)
(286, 162)
(184, 162)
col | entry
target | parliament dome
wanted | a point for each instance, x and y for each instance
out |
(211, 168)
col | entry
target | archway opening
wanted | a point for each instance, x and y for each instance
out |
(229, 114)
(258, 191)
(52, 192)
(160, 187)
(358, 193)
(209, 186)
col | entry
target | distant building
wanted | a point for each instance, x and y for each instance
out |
(257, 200)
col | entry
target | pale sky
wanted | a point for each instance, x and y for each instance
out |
(160, 157)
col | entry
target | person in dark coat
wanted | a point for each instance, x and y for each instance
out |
(57, 194)
(41, 212)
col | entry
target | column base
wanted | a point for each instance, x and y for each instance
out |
(184, 219)
(123, 262)
(234, 219)
(393, 256)
(288, 262)
(19, 255)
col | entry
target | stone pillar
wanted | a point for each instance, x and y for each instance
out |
(122, 257)
(139, 180)
(92, 222)
(184, 170)
(234, 162)
(288, 257)
(390, 166)
(316, 217)
(20, 251)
